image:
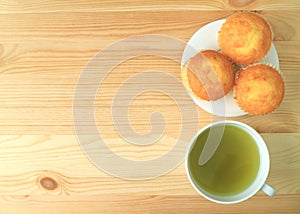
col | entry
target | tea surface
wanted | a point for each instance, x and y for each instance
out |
(232, 168)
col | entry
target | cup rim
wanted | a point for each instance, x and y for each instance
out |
(263, 167)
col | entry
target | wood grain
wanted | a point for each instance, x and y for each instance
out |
(81, 188)
(48, 51)
(44, 47)
(26, 159)
(34, 6)
(145, 204)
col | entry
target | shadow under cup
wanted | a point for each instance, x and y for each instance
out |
(238, 168)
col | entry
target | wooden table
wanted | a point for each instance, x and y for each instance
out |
(44, 47)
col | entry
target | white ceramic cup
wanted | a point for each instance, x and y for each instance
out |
(258, 183)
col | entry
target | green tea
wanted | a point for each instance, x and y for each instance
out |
(232, 168)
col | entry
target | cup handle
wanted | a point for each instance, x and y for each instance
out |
(270, 191)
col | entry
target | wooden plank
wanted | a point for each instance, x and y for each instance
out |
(26, 160)
(147, 5)
(127, 203)
(98, 29)
(37, 98)
(46, 57)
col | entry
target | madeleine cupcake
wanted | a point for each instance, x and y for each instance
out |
(245, 37)
(259, 89)
(208, 75)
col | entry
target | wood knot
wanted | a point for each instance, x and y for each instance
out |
(240, 3)
(48, 183)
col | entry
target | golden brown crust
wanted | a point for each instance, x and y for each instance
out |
(208, 75)
(245, 37)
(259, 89)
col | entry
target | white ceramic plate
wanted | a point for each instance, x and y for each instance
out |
(207, 38)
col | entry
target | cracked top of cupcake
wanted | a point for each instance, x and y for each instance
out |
(208, 75)
(259, 89)
(245, 37)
